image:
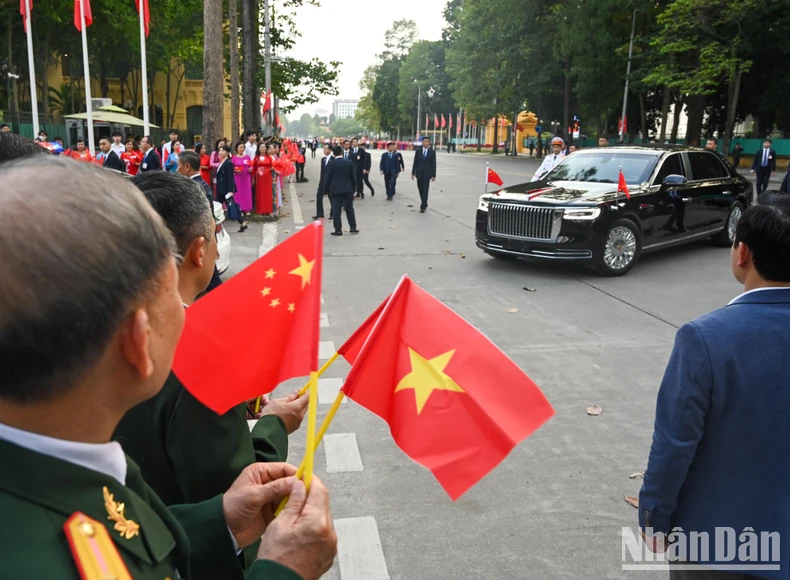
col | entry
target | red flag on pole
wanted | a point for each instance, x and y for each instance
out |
(622, 186)
(146, 14)
(450, 122)
(280, 292)
(454, 402)
(267, 103)
(88, 15)
(435, 121)
(426, 121)
(443, 121)
(23, 12)
(493, 177)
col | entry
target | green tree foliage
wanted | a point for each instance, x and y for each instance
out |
(425, 64)
(346, 128)
(368, 113)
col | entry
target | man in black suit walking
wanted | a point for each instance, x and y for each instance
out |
(151, 158)
(367, 162)
(764, 165)
(424, 170)
(111, 159)
(319, 195)
(339, 184)
(391, 165)
(357, 158)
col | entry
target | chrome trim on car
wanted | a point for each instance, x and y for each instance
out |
(524, 222)
(705, 234)
(542, 254)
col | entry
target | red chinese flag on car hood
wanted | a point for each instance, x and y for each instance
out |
(454, 402)
(622, 186)
(88, 14)
(258, 329)
(493, 177)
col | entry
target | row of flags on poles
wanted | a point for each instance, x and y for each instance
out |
(454, 402)
(26, 6)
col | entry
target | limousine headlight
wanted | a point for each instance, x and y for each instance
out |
(482, 204)
(587, 213)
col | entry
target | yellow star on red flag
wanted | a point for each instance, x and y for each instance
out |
(304, 270)
(427, 376)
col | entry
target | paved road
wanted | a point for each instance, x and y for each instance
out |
(555, 507)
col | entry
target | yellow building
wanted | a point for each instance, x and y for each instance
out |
(186, 99)
(526, 128)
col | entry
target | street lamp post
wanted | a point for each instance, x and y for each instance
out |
(267, 58)
(627, 74)
(419, 102)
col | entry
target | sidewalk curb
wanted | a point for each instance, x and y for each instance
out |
(269, 234)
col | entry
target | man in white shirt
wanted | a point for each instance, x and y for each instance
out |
(79, 348)
(117, 146)
(251, 146)
(552, 159)
(167, 148)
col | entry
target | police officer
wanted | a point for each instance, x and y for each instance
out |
(552, 159)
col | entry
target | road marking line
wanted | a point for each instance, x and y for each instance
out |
(359, 552)
(297, 209)
(324, 320)
(297, 228)
(328, 390)
(269, 235)
(326, 348)
(342, 453)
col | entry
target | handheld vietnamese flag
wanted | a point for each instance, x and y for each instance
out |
(146, 15)
(454, 402)
(275, 306)
(88, 14)
(493, 177)
(622, 186)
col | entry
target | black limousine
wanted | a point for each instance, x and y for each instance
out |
(575, 213)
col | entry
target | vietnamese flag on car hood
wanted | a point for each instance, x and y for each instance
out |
(258, 329)
(454, 402)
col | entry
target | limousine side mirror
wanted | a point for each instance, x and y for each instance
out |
(674, 180)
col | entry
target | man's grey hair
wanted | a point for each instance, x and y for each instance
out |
(180, 202)
(82, 249)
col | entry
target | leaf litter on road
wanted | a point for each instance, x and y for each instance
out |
(637, 475)
(594, 411)
(632, 501)
(512, 310)
(530, 289)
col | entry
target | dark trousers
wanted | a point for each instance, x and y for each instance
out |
(763, 174)
(366, 179)
(423, 183)
(341, 201)
(299, 171)
(360, 183)
(319, 203)
(313, 152)
(701, 574)
(390, 179)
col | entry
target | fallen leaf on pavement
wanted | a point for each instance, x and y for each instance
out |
(639, 475)
(632, 501)
(530, 289)
(461, 255)
(409, 206)
(381, 248)
(595, 410)
(287, 231)
(392, 227)
(512, 310)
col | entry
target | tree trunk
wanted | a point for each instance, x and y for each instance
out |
(167, 95)
(213, 71)
(496, 136)
(696, 111)
(566, 108)
(178, 95)
(44, 80)
(676, 119)
(643, 118)
(665, 114)
(249, 44)
(235, 105)
(14, 96)
(732, 104)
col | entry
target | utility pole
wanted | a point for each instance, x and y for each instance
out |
(627, 74)
(267, 57)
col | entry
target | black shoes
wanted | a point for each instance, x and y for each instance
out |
(337, 233)
(389, 199)
(354, 231)
(422, 210)
(243, 228)
(372, 192)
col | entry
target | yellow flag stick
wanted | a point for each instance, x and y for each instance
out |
(312, 415)
(320, 435)
(303, 390)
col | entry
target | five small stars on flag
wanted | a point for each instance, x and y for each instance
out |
(304, 271)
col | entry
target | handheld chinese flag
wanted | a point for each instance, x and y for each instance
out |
(146, 15)
(274, 306)
(454, 402)
(88, 14)
(622, 186)
(493, 177)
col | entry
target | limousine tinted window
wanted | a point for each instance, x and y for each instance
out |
(706, 166)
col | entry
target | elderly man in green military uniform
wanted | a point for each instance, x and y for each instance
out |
(88, 329)
(186, 452)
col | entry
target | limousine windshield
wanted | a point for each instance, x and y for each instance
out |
(603, 166)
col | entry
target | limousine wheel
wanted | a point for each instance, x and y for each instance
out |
(621, 249)
(726, 237)
(500, 255)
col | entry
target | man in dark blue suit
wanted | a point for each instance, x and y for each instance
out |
(151, 158)
(391, 165)
(357, 158)
(424, 170)
(721, 444)
(319, 195)
(340, 185)
(763, 165)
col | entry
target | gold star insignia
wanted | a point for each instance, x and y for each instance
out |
(291, 307)
(266, 291)
(275, 303)
(427, 376)
(305, 270)
(270, 273)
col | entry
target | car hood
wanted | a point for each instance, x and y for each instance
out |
(560, 192)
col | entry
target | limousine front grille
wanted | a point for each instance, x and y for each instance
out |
(522, 221)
